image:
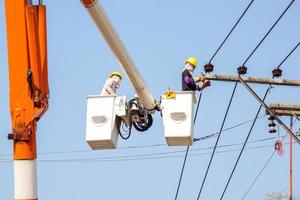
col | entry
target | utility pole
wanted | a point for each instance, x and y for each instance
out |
(291, 160)
(291, 110)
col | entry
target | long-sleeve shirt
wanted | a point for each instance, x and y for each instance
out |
(109, 87)
(188, 82)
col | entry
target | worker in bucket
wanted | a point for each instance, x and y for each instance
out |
(112, 84)
(188, 81)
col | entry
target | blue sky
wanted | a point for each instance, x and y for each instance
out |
(159, 35)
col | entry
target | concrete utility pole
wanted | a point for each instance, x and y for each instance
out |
(285, 109)
(270, 111)
(290, 110)
(291, 160)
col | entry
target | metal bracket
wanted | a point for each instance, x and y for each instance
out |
(269, 110)
(19, 136)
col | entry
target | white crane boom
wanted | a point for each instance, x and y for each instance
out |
(110, 35)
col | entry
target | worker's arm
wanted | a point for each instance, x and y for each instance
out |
(188, 81)
(109, 87)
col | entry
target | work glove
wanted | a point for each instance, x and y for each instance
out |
(204, 84)
(202, 78)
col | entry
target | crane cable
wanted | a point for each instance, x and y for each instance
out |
(245, 142)
(187, 149)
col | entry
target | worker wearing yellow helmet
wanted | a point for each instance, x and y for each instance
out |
(188, 81)
(112, 84)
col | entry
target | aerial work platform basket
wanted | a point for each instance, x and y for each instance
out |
(102, 121)
(177, 113)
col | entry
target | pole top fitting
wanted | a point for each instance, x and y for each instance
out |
(277, 72)
(242, 70)
(208, 68)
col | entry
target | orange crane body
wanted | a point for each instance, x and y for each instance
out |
(28, 87)
(28, 74)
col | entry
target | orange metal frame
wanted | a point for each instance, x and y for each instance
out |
(28, 74)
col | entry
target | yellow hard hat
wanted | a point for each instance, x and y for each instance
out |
(115, 74)
(192, 61)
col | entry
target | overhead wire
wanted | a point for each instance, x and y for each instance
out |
(227, 36)
(221, 45)
(271, 156)
(245, 142)
(147, 146)
(290, 53)
(269, 31)
(228, 181)
(221, 129)
(227, 129)
(187, 149)
(264, 167)
(246, 60)
(255, 121)
(151, 156)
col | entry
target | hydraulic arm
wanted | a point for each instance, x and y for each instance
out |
(28, 87)
(110, 35)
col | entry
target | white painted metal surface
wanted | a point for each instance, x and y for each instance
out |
(110, 35)
(102, 122)
(25, 179)
(177, 116)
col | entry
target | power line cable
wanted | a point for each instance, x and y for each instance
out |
(237, 22)
(269, 159)
(271, 156)
(145, 157)
(227, 129)
(187, 149)
(268, 32)
(148, 146)
(247, 59)
(264, 167)
(260, 172)
(180, 151)
(221, 129)
(241, 152)
(236, 83)
(288, 55)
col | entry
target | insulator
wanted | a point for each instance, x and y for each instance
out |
(271, 118)
(242, 70)
(272, 124)
(272, 130)
(208, 68)
(277, 72)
